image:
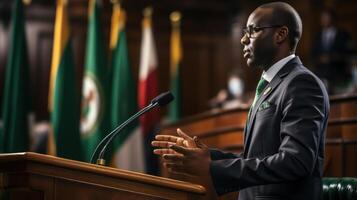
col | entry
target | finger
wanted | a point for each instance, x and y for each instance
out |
(180, 141)
(169, 138)
(188, 142)
(184, 135)
(199, 143)
(164, 151)
(163, 144)
(179, 149)
(176, 158)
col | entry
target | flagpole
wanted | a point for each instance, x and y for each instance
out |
(175, 62)
(175, 18)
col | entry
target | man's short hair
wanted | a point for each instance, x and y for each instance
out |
(285, 15)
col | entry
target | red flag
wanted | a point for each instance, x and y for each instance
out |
(148, 86)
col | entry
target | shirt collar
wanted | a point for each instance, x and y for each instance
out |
(274, 69)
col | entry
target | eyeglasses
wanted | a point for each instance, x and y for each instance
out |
(251, 31)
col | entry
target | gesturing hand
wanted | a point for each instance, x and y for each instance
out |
(165, 141)
(183, 155)
(186, 156)
(191, 161)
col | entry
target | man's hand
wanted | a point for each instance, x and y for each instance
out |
(192, 161)
(165, 141)
(183, 155)
(186, 156)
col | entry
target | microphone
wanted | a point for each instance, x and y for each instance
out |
(163, 99)
(160, 100)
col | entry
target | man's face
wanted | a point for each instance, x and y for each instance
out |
(259, 49)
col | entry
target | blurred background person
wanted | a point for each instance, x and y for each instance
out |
(330, 54)
(233, 95)
(39, 137)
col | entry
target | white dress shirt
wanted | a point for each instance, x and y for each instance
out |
(274, 69)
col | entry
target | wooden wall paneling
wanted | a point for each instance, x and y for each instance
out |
(224, 139)
(197, 63)
(350, 152)
(232, 119)
(40, 39)
(209, 123)
(162, 40)
(341, 142)
(333, 159)
(349, 134)
(223, 65)
(348, 111)
(202, 72)
(199, 128)
(309, 20)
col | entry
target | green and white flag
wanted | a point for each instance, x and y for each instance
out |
(128, 146)
(14, 136)
(94, 124)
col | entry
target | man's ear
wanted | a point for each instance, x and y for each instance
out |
(282, 34)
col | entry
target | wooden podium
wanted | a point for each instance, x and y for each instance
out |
(36, 176)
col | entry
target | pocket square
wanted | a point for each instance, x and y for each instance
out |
(264, 106)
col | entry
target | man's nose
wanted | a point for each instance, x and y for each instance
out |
(244, 40)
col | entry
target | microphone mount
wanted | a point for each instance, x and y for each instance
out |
(111, 136)
(160, 100)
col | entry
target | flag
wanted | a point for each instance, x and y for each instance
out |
(15, 110)
(148, 86)
(176, 56)
(94, 105)
(63, 93)
(128, 145)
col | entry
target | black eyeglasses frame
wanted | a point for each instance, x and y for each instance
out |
(250, 30)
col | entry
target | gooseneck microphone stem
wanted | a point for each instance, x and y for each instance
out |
(160, 100)
(110, 137)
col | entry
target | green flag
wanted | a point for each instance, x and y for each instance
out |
(94, 122)
(63, 94)
(176, 57)
(15, 132)
(128, 145)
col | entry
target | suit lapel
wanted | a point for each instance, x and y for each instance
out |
(265, 94)
(267, 91)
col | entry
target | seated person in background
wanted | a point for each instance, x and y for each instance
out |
(330, 54)
(233, 96)
(39, 137)
(284, 136)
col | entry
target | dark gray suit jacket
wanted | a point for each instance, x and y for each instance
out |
(283, 141)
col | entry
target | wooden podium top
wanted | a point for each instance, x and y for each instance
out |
(28, 165)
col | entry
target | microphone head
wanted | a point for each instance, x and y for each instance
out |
(163, 98)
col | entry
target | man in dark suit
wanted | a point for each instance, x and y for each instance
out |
(284, 136)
